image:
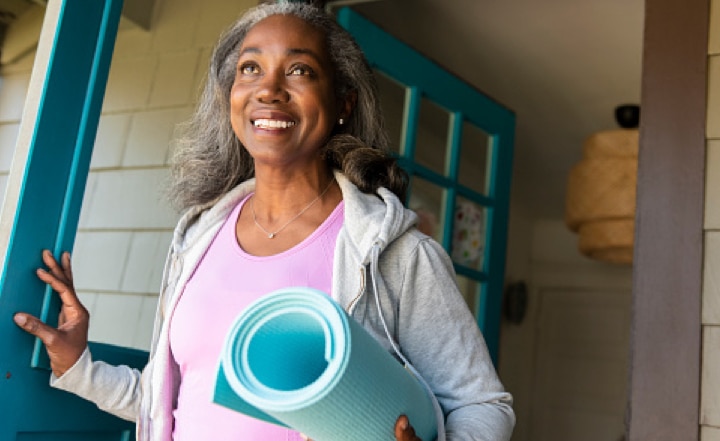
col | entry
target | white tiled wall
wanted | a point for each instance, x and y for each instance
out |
(710, 434)
(714, 37)
(713, 109)
(126, 198)
(711, 279)
(149, 136)
(710, 386)
(8, 134)
(110, 141)
(13, 87)
(12, 95)
(712, 184)
(710, 409)
(125, 224)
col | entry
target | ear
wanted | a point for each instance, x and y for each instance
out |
(347, 104)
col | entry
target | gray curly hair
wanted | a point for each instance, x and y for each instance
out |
(209, 160)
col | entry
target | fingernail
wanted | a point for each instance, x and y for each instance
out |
(404, 424)
(20, 319)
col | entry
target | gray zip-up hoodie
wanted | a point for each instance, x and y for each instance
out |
(378, 251)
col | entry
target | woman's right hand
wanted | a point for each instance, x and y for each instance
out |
(67, 343)
(404, 431)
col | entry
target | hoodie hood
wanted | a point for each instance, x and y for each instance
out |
(374, 221)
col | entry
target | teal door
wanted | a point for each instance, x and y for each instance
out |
(41, 210)
(457, 146)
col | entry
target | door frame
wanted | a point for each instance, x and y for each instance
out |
(665, 358)
(41, 210)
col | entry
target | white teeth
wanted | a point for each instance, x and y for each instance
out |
(273, 124)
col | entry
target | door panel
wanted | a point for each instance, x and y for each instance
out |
(41, 211)
(581, 366)
(456, 144)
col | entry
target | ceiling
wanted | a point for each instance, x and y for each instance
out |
(561, 65)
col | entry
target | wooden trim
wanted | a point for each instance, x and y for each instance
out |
(664, 392)
(31, 111)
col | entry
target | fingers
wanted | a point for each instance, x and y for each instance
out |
(66, 292)
(58, 283)
(35, 327)
(64, 347)
(67, 268)
(66, 344)
(63, 270)
(59, 278)
(403, 430)
(62, 318)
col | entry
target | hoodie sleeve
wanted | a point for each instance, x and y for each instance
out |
(439, 336)
(114, 389)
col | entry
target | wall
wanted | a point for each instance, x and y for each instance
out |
(566, 363)
(125, 225)
(710, 376)
(516, 354)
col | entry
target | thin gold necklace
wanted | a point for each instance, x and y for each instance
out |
(271, 235)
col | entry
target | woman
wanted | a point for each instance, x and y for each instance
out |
(284, 180)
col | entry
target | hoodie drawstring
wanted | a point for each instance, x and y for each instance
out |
(439, 416)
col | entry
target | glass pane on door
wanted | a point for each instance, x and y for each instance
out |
(470, 290)
(431, 144)
(392, 100)
(427, 200)
(468, 242)
(475, 158)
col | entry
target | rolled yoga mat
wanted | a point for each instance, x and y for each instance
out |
(295, 358)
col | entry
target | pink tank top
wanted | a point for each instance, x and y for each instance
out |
(225, 282)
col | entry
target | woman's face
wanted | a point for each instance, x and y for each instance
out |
(282, 103)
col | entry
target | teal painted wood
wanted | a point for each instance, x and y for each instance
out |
(46, 217)
(425, 79)
(454, 143)
(496, 235)
(411, 115)
(452, 169)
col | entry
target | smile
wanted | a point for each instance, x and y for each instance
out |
(272, 124)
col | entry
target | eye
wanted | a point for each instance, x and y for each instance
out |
(301, 70)
(248, 69)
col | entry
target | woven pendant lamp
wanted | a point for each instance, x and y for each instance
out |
(600, 199)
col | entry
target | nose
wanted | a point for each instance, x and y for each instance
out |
(272, 89)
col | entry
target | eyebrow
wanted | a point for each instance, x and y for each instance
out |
(291, 51)
(252, 50)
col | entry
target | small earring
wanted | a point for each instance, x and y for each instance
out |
(341, 121)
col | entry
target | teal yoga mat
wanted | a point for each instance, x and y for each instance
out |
(296, 359)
